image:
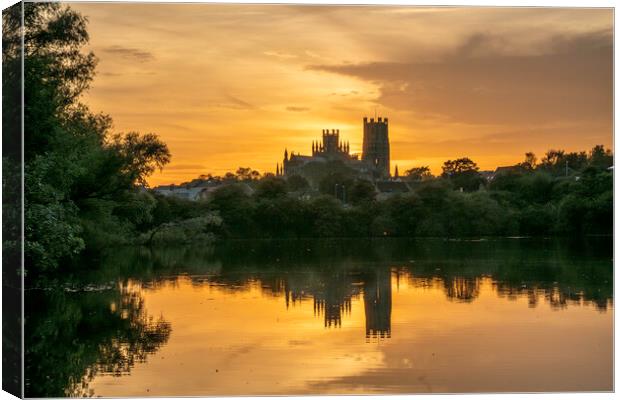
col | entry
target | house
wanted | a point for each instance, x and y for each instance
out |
(511, 169)
(387, 189)
(198, 190)
(182, 192)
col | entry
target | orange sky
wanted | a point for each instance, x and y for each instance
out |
(233, 85)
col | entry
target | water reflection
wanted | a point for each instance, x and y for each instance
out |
(75, 333)
(99, 321)
(378, 304)
(331, 297)
(461, 288)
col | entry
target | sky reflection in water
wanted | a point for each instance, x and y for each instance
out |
(391, 317)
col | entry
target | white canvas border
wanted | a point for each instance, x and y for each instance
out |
(480, 3)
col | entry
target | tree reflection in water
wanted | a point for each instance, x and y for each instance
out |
(461, 288)
(72, 335)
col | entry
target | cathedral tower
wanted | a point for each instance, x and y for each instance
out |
(331, 140)
(376, 146)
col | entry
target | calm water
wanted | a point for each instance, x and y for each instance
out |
(389, 316)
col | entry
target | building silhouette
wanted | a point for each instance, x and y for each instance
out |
(376, 146)
(331, 146)
(373, 164)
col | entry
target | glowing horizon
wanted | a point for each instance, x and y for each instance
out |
(228, 86)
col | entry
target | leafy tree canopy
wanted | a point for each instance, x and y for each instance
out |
(80, 176)
(418, 173)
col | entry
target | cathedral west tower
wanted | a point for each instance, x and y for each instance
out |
(376, 146)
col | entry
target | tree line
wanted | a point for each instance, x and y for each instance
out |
(527, 199)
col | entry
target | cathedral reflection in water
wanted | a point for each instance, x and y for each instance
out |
(332, 299)
(378, 304)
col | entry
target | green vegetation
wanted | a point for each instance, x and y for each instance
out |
(81, 180)
(86, 185)
(525, 199)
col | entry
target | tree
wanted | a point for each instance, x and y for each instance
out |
(418, 173)
(326, 216)
(235, 207)
(271, 187)
(572, 214)
(552, 159)
(460, 165)
(575, 161)
(140, 155)
(406, 211)
(71, 339)
(361, 191)
(247, 174)
(536, 188)
(600, 157)
(536, 220)
(80, 178)
(560, 163)
(463, 173)
(507, 180)
(229, 177)
(529, 164)
(336, 184)
(56, 70)
(297, 182)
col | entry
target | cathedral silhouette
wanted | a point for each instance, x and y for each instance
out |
(373, 164)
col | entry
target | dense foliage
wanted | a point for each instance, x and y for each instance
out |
(525, 199)
(81, 180)
(568, 194)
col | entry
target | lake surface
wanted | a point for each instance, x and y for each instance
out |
(337, 317)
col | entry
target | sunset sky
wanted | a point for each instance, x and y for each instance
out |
(234, 85)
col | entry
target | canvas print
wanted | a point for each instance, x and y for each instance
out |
(258, 199)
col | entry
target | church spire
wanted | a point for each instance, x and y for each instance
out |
(396, 172)
(285, 155)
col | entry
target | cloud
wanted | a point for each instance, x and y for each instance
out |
(279, 54)
(569, 78)
(409, 61)
(237, 103)
(297, 109)
(312, 54)
(129, 53)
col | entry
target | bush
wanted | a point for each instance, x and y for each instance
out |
(537, 220)
(199, 229)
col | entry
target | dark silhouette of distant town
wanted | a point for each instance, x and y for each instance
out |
(333, 193)
(331, 156)
(333, 169)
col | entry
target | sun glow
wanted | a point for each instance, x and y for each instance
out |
(225, 86)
